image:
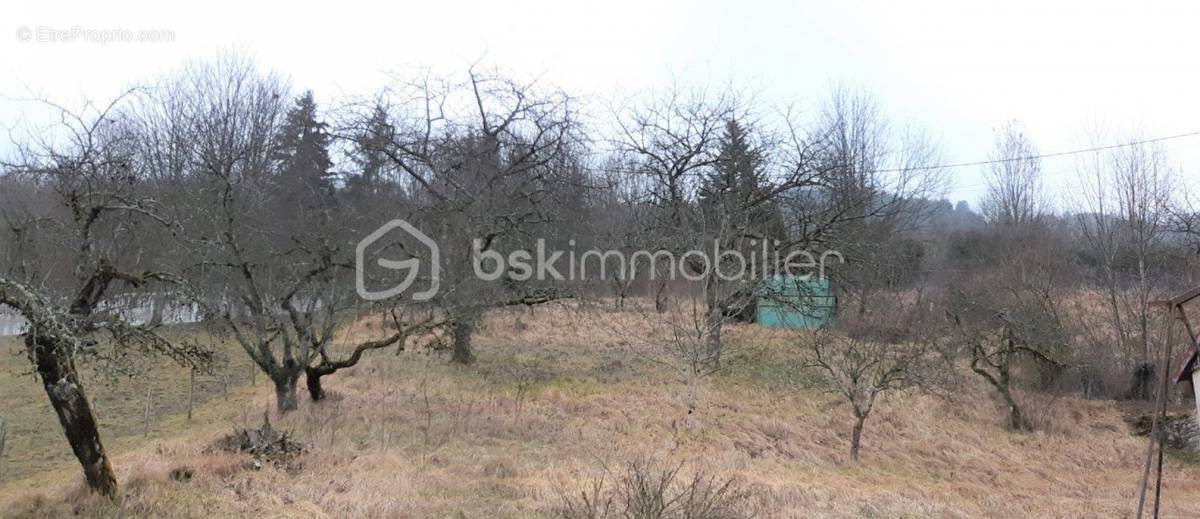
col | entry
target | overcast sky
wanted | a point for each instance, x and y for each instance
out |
(955, 68)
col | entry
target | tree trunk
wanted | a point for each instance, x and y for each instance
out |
(713, 320)
(1141, 385)
(714, 337)
(156, 310)
(660, 296)
(856, 437)
(285, 392)
(312, 379)
(1115, 308)
(1002, 382)
(57, 370)
(1016, 420)
(461, 331)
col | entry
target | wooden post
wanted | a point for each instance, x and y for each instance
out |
(146, 423)
(191, 391)
(3, 433)
(1157, 438)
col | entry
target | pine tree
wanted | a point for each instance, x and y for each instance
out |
(370, 155)
(304, 170)
(733, 195)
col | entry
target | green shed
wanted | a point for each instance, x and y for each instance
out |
(792, 302)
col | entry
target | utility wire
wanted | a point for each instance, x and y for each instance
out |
(1041, 156)
(977, 162)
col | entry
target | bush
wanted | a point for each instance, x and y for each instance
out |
(649, 490)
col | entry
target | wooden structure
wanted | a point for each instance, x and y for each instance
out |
(1186, 371)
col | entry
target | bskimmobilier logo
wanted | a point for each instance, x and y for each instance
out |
(412, 266)
(542, 262)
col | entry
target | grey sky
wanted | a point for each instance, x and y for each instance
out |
(959, 69)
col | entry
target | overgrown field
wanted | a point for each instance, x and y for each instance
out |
(566, 403)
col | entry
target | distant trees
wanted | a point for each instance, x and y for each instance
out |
(716, 183)
(1123, 213)
(1007, 289)
(232, 116)
(369, 153)
(250, 202)
(1015, 195)
(739, 212)
(301, 155)
(670, 140)
(869, 199)
(736, 184)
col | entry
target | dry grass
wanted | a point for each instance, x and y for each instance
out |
(557, 396)
(35, 443)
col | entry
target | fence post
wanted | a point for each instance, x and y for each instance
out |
(3, 433)
(191, 392)
(146, 424)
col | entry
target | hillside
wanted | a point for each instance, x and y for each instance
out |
(559, 397)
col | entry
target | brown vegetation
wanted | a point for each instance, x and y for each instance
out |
(557, 398)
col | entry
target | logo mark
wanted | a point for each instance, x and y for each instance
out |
(411, 265)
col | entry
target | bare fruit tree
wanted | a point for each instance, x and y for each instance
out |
(98, 205)
(1001, 324)
(864, 359)
(269, 251)
(482, 161)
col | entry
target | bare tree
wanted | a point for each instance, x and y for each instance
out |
(1015, 195)
(103, 199)
(717, 181)
(484, 160)
(862, 360)
(269, 251)
(671, 140)
(1000, 321)
(865, 195)
(1122, 215)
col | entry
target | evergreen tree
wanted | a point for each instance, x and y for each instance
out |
(733, 197)
(369, 155)
(737, 211)
(302, 156)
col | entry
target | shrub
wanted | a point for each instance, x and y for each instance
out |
(650, 490)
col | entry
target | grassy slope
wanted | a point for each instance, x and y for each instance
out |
(35, 442)
(557, 397)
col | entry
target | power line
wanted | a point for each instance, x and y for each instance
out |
(1040, 156)
(977, 162)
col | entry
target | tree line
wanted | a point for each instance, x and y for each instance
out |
(220, 187)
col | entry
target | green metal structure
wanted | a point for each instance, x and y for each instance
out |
(792, 302)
